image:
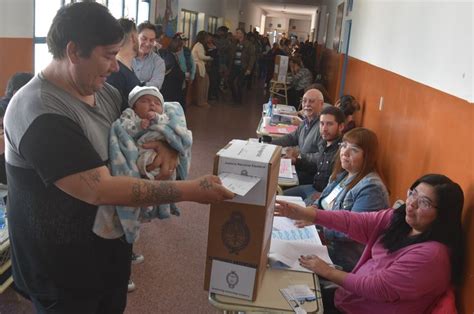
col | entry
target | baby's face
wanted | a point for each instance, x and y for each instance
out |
(146, 104)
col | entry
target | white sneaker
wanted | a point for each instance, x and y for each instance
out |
(137, 258)
(131, 286)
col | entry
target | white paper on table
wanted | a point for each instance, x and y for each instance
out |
(238, 184)
(307, 234)
(291, 199)
(288, 252)
(286, 171)
(283, 223)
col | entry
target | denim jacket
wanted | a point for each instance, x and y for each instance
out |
(369, 194)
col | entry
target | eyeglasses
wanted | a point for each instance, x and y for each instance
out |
(353, 149)
(422, 201)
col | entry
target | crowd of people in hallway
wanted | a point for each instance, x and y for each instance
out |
(72, 252)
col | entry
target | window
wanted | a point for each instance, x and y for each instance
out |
(45, 10)
(189, 25)
(212, 24)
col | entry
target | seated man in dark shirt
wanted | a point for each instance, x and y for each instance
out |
(331, 124)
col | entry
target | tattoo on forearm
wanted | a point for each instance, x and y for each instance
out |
(205, 184)
(154, 192)
(92, 179)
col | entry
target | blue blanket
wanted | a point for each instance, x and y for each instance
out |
(123, 154)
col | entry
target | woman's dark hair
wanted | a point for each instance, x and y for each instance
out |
(446, 228)
(201, 38)
(17, 81)
(87, 24)
(348, 104)
(175, 44)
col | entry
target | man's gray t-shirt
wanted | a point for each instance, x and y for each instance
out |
(50, 135)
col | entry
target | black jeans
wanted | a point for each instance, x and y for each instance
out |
(111, 298)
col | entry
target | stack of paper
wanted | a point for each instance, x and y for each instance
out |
(289, 242)
(286, 170)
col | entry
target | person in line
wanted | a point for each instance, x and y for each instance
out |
(331, 124)
(223, 44)
(186, 62)
(148, 65)
(201, 86)
(354, 185)
(125, 79)
(57, 130)
(301, 79)
(349, 105)
(413, 253)
(172, 88)
(16, 81)
(241, 62)
(303, 143)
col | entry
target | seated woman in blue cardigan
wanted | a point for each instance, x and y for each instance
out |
(354, 185)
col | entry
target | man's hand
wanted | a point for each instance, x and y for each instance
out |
(166, 159)
(209, 189)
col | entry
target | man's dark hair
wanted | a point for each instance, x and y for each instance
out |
(336, 112)
(446, 228)
(87, 24)
(223, 29)
(17, 81)
(159, 30)
(128, 26)
(147, 25)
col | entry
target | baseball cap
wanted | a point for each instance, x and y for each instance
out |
(139, 91)
(180, 36)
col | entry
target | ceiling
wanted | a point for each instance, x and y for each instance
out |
(292, 9)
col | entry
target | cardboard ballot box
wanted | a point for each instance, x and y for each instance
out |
(281, 68)
(240, 229)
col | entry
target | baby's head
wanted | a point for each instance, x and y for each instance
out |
(145, 99)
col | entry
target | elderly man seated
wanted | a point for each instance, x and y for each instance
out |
(302, 144)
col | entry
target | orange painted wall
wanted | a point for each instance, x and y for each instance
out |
(16, 55)
(331, 67)
(421, 130)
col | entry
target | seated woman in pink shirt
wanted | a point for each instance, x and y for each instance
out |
(412, 254)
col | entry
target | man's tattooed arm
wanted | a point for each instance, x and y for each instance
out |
(154, 192)
(91, 178)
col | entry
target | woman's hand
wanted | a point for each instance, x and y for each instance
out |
(293, 211)
(321, 268)
(303, 223)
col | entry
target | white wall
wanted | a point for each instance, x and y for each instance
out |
(430, 42)
(16, 18)
(252, 15)
(275, 21)
(302, 28)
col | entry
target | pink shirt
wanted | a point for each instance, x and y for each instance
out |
(407, 281)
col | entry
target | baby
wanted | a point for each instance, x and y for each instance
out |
(149, 119)
(142, 121)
